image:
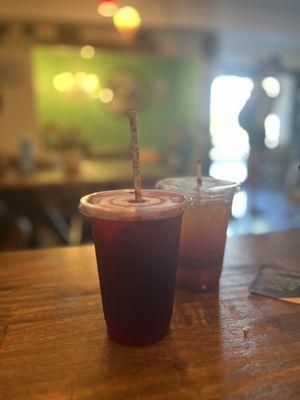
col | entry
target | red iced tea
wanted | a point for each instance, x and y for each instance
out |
(137, 251)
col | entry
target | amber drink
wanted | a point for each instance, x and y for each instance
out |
(203, 234)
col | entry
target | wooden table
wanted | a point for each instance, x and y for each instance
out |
(104, 173)
(53, 343)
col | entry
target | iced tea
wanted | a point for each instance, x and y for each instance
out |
(203, 233)
(137, 254)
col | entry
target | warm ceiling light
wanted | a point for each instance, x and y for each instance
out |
(107, 8)
(127, 20)
(90, 83)
(79, 77)
(87, 52)
(64, 82)
(106, 95)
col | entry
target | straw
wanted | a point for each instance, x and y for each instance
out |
(135, 157)
(198, 173)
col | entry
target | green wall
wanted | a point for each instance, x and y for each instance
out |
(98, 125)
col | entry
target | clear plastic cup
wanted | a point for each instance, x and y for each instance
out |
(137, 254)
(203, 233)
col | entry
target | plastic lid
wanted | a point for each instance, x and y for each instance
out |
(210, 189)
(121, 205)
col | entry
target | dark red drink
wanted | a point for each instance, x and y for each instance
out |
(137, 250)
(137, 268)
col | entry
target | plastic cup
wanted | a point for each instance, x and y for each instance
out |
(137, 254)
(203, 234)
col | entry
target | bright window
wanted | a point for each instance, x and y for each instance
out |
(230, 142)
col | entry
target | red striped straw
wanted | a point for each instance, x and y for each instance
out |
(198, 173)
(135, 157)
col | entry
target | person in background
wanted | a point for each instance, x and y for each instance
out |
(292, 184)
(252, 118)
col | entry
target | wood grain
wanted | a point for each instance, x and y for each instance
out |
(53, 342)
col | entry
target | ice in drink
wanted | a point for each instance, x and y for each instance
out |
(203, 233)
(137, 253)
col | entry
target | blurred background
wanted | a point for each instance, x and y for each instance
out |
(217, 80)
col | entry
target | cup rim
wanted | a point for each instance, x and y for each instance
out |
(225, 189)
(131, 211)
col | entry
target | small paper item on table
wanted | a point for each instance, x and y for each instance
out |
(278, 282)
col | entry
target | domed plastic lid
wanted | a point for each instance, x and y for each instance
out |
(121, 205)
(210, 189)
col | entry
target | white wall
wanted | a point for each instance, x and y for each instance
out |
(243, 49)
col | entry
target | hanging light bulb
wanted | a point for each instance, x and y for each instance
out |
(127, 20)
(107, 8)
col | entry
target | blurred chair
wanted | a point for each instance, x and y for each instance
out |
(16, 232)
